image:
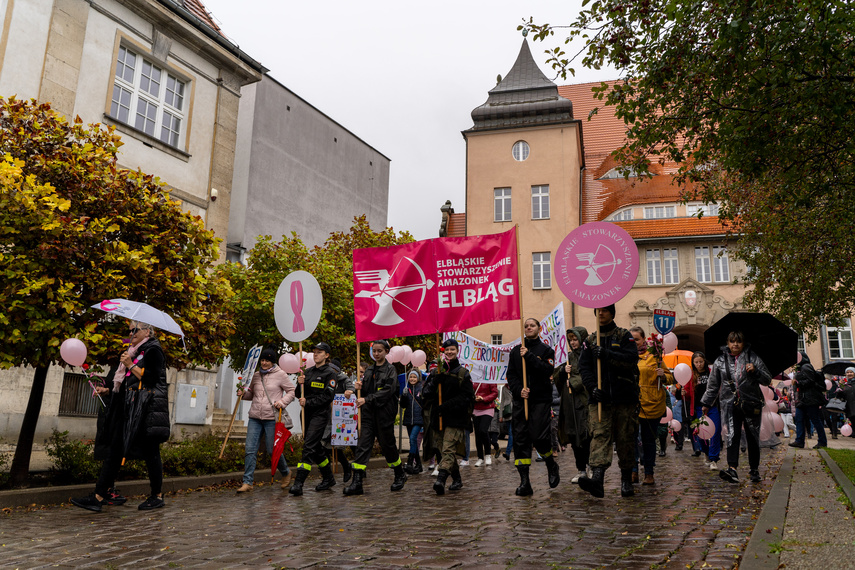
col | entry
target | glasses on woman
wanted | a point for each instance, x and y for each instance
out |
(134, 331)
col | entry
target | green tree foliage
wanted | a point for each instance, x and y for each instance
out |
(268, 263)
(76, 229)
(755, 100)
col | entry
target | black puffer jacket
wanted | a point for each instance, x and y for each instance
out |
(458, 396)
(380, 390)
(539, 365)
(152, 360)
(810, 385)
(619, 370)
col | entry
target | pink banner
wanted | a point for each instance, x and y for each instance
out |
(437, 285)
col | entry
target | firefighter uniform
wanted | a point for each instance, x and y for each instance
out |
(537, 429)
(318, 389)
(380, 392)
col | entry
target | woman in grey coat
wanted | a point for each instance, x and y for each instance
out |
(736, 377)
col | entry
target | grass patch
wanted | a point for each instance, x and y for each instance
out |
(845, 459)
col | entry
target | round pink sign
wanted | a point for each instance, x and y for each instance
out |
(596, 264)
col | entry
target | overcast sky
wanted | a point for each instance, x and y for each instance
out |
(403, 77)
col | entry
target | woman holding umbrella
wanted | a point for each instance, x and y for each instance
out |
(270, 390)
(144, 419)
(735, 379)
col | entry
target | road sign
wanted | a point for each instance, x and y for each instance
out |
(664, 321)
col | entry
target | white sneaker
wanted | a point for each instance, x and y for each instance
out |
(432, 464)
(489, 460)
(464, 463)
(479, 463)
(578, 476)
(713, 466)
(434, 473)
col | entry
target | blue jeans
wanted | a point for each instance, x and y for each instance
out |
(712, 447)
(414, 432)
(510, 439)
(253, 437)
(814, 416)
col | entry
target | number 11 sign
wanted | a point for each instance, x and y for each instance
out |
(664, 321)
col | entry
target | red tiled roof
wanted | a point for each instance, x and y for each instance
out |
(198, 9)
(673, 227)
(601, 135)
(456, 225)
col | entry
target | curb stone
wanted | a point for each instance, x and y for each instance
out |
(773, 517)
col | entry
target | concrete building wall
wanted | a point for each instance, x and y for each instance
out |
(555, 159)
(298, 170)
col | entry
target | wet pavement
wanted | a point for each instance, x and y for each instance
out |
(689, 519)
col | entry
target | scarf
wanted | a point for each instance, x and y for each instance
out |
(122, 371)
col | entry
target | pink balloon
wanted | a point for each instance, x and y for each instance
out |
(828, 384)
(669, 343)
(406, 358)
(766, 426)
(418, 358)
(308, 359)
(706, 429)
(682, 373)
(669, 415)
(771, 406)
(289, 363)
(395, 354)
(73, 351)
(676, 426)
(777, 422)
(846, 430)
(768, 394)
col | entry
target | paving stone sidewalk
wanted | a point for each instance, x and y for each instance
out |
(690, 518)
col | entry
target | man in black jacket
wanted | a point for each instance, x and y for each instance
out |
(378, 406)
(810, 398)
(535, 429)
(448, 398)
(618, 425)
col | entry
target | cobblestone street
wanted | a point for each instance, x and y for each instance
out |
(690, 518)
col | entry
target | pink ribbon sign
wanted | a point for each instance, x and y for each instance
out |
(297, 306)
(596, 264)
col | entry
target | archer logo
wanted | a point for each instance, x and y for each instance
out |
(600, 265)
(392, 292)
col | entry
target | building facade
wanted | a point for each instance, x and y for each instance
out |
(547, 166)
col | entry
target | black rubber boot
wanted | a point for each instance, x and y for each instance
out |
(552, 471)
(439, 484)
(408, 468)
(594, 485)
(417, 467)
(456, 481)
(626, 489)
(400, 478)
(297, 488)
(355, 487)
(328, 480)
(524, 490)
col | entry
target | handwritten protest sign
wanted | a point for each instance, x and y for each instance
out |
(344, 420)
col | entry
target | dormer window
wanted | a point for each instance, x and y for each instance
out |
(619, 172)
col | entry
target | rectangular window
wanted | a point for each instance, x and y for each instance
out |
(653, 212)
(76, 397)
(801, 342)
(720, 264)
(670, 265)
(541, 270)
(141, 99)
(708, 209)
(495, 339)
(840, 341)
(540, 202)
(702, 264)
(502, 205)
(654, 267)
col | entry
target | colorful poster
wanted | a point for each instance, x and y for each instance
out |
(488, 363)
(436, 285)
(344, 420)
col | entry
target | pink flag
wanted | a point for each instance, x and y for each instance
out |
(436, 285)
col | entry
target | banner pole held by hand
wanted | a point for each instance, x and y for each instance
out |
(522, 320)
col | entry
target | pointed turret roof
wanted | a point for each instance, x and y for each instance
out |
(524, 97)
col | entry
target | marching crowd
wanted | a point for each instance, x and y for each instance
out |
(609, 398)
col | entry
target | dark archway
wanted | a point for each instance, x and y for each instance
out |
(690, 337)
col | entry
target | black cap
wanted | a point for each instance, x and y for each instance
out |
(609, 308)
(450, 342)
(269, 355)
(323, 346)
